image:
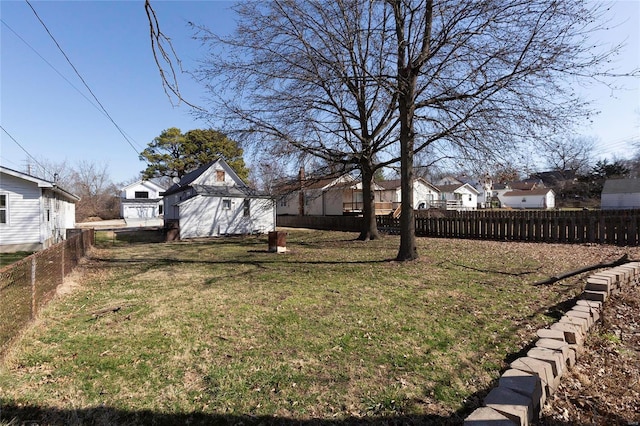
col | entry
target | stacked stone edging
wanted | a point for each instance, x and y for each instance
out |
(523, 389)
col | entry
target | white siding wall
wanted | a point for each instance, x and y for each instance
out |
(23, 213)
(313, 202)
(170, 206)
(469, 199)
(620, 201)
(551, 201)
(528, 201)
(140, 209)
(129, 192)
(334, 200)
(288, 204)
(422, 194)
(205, 217)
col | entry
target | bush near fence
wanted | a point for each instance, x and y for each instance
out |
(30, 283)
(619, 227)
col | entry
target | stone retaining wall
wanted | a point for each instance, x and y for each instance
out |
(523, 389)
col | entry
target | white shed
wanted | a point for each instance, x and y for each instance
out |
(213, 201)
(618, 194)
(34, 213)
(541, 198)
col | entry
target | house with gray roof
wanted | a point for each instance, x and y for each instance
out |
(213, 201)
(619, 194)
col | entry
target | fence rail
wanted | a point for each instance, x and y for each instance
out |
(621, 227)
(603, 227)
(30, 283)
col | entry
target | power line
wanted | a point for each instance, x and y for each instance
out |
(82, 79)
(52, 67)
(24, 149)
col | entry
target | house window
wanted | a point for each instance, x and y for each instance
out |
(470, 199)
(4, 208)
(142, 194)
(283, 202)
(219, 175)
(226, 204)
(246, 208)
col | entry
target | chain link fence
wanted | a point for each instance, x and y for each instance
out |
(27, 285)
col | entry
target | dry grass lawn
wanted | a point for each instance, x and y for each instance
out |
(333, 331)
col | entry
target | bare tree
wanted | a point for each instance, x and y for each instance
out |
(311, 76)
(482, 78)
(364, 84)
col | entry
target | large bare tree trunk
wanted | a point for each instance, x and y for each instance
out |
(408, 70)
(369, 226)
(408, 249)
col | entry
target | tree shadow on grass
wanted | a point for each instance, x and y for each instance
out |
(17, 414)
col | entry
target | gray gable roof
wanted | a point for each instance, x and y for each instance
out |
(621, 186)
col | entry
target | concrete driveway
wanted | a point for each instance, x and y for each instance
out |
(122, 224)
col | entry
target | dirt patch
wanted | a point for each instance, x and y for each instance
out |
(603, 388)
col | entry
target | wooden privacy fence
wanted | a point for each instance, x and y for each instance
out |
(28, 284)
(620, 227)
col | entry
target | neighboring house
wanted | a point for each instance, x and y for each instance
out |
(321, 197)
(618, 194)
(141, 200)
(541, 198)
(34, 213)
(555, 178)
(214, 201)
(526, 184)
(425, 195)
(458, 197)
(448, 180)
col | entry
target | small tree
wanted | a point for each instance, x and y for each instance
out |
(174, 154)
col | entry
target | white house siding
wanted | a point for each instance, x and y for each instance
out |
(58, 215)
(469, 199)
(466, 198)
(334, 199)
(203, 216)
(620, 201)
(22, 230)
(141, 208)
(423, 196)
(329, 202)
(171, 209)
(209, 176)
(288, 204)
(533, 199)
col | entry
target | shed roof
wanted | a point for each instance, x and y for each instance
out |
(621, 186)
(525, 192)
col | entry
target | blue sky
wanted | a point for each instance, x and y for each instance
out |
(108, 43)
